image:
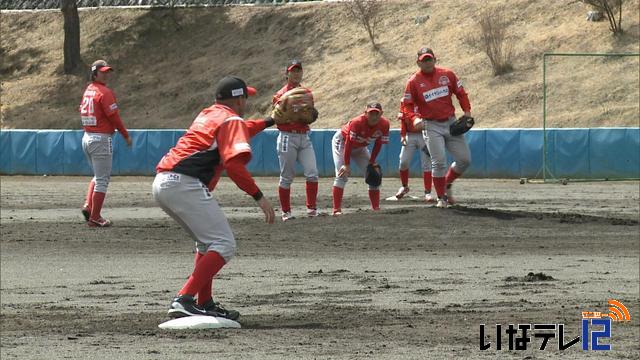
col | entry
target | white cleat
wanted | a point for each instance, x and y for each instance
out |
(287, 216)
(442, 203)
(402, 192)
(337, 212)
(430, 199)
(314, 213)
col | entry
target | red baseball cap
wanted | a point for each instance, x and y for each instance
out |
(100, 65)
(374, 107)
(294, 64)
(425, 52)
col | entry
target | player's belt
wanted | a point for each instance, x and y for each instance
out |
(439, 120)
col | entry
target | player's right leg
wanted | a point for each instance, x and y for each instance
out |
(427, 177)
(187, 200)
(406, 153)
(337, 147)
(361, 157)
(287, 155)
(434, 137)
(307, 158)
(99, 149)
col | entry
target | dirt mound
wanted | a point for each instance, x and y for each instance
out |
(168, 61)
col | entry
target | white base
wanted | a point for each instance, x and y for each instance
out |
(199, 322)
(405, 198)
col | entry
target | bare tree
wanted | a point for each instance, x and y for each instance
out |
(72, 59)
(493, 41)
(610, 8)
(367, 12)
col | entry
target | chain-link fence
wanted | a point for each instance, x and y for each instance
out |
(55, 4)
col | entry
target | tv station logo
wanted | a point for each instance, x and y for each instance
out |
(596, 329)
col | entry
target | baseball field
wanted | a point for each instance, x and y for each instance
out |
(408, 282)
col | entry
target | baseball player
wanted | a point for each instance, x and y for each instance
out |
(218, 140)
(427, 100)
(350, 142)
(294, 145)
(412, 141)
(100, 118)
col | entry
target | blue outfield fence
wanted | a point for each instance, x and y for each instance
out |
(612, 153)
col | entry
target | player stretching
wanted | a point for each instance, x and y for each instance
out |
(412, 141)
(295, 146)
(100, 118)
(217, 141)
(350, 142)
(427, 99)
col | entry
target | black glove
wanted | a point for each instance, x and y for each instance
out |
(314, 115)
(461, 126)
(374, 175)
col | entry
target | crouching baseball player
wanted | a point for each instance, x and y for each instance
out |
(218, 140)
(350, 142)
(412, 142)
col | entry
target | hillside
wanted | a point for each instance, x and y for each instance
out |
(168, 61)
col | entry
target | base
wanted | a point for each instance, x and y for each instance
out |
(199, 322)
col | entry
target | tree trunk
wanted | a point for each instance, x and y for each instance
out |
(72, 59)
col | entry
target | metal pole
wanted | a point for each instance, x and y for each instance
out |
(544, 117)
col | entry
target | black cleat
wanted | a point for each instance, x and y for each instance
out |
(86, 212)
(185, 305)
(215, 309)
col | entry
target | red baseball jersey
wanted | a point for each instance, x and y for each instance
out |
(406, 121)
(99, 110)
(291, 126)
(428, 95)
(217, 135)
(361, 134)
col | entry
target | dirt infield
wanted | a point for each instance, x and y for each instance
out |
(409, 282)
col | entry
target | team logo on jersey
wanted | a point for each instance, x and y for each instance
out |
(443, 80)
(422, 85)
(460, 84)
(435, 93)
(377, 134)
(113, 107)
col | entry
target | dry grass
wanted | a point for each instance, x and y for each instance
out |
(167, 69)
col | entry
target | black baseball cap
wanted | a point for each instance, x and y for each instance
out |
(100, 65)
(424, 53)
(374, 106)
(293, 64)
(232, 86)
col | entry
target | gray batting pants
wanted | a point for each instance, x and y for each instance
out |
(360, 156)
(436, 135)
(187, 200)
(98, 149)
(292, 148)
(415, 142)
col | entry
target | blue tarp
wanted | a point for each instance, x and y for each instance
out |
(496, 153)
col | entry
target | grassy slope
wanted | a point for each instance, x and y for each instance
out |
(168, 62)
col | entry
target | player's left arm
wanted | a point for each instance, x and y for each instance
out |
(383, 139)
(461, 94)
(111, 110)
(235, 152)
(254, 126)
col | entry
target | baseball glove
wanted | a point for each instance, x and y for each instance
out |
(461, 126)
(296, 105)
(374, 175)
